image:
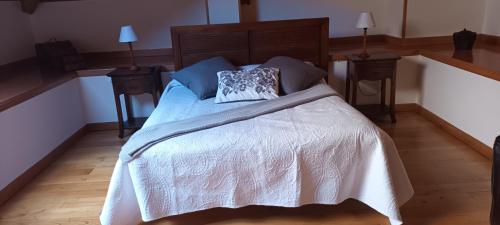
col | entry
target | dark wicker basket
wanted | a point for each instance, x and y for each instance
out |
(59, 55)
(464, 40)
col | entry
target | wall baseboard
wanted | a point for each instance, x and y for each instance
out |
(475, 144)
(25, 178)
(28, 175)
(21, 181)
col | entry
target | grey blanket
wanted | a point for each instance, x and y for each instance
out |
(150, 136)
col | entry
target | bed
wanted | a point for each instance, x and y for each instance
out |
(319, 152)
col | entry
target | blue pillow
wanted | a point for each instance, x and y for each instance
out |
(201, 78)
(295, 75)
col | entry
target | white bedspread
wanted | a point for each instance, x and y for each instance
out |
(323, 152)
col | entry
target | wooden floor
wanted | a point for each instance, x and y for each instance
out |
(451, 181)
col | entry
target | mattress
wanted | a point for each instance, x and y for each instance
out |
(322, 152)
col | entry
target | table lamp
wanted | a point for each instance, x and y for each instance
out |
(365, 21)
(127, 35)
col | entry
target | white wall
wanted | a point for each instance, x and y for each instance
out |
(392, 20)
(16, 38)
(491, 20)
(224, 11)
(94, 25)
(99, 103)
(343, 13)
(444, 17)
(466, 100)
(98, 99)
(34, 128)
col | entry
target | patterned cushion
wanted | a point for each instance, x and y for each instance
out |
(257, 84)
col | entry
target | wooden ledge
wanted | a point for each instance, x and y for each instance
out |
(340, 47)
(102, 63)
(479, 61)
(482, 60)
(105, 71)
(23, 80)
(94, 72)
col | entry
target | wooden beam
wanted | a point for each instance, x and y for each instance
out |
(405, 15)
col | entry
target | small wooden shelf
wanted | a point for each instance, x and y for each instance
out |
(375, 112)
(377, 67)
(134, 124)
(128, 82)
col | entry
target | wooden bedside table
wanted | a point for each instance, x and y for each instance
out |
(378, 67)
(127, 82)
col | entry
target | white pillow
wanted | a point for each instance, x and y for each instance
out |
(256, 84)
(249, 67)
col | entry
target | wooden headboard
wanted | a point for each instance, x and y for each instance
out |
(253, 43)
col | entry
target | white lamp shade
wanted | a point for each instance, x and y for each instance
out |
(127, 34)
(366, 20)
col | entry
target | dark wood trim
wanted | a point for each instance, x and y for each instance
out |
(101, 62)
(408, 107)
(30, 174)
(419, 42)
(254, 42)
(102, 126)
(94, 72)
(430, 47)
(324, 44)
(126, 53)
(405, 16)
(6, 69)
(147, 57)
(342, 46)
(468, 66)
(488, 40)
(25, 96)
(356, 40)
(104, 62)
(390, 42)
(475, 144)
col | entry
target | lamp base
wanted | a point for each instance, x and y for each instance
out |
(364, 55)
(132, 56)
